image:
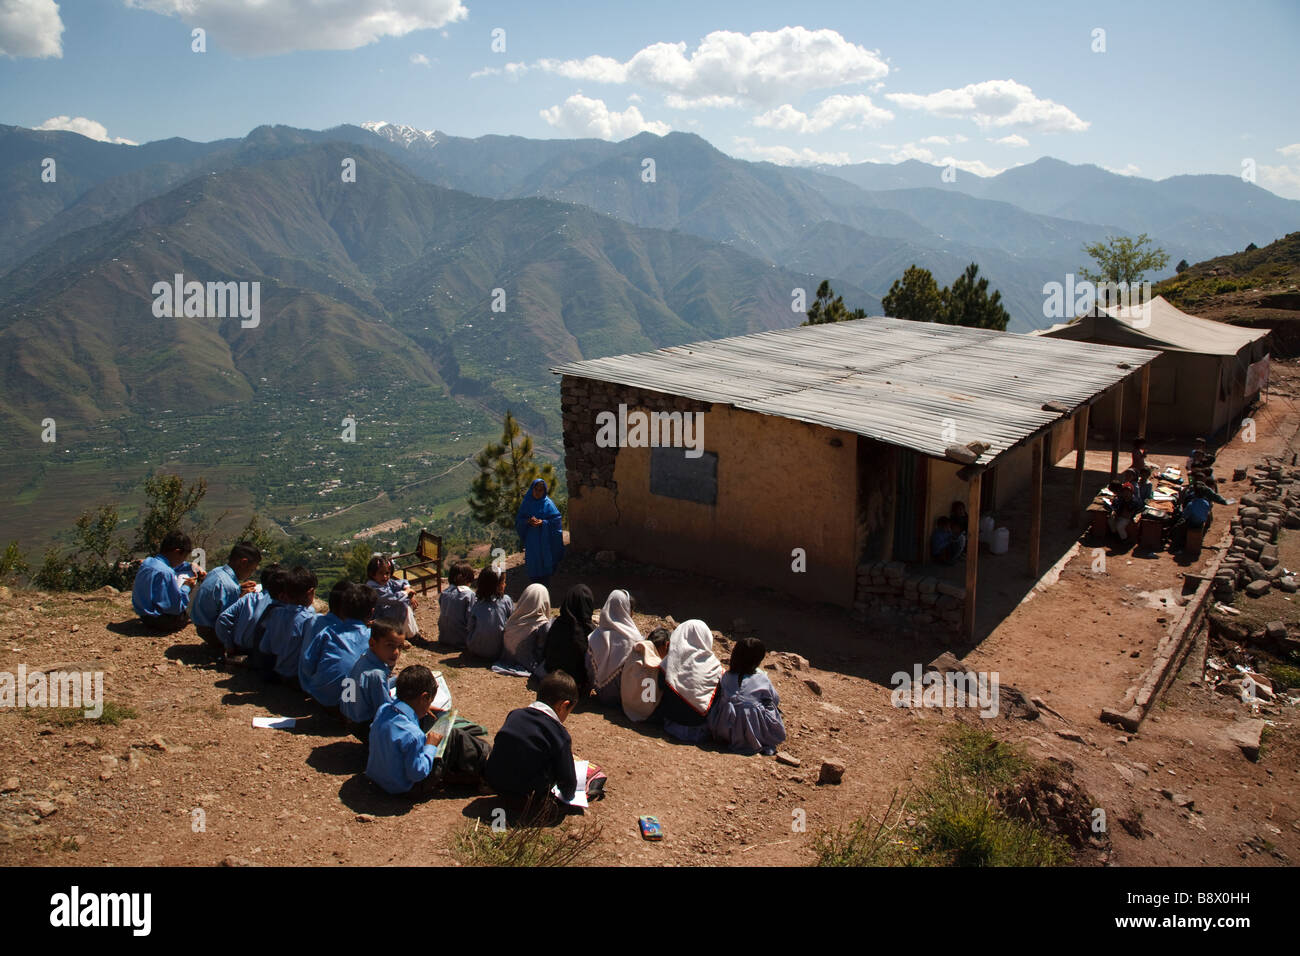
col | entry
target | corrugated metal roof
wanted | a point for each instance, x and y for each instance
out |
(889, 379)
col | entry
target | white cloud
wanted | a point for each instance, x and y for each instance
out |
(1292, 150)
(675, 101)
(1129, 169)
(419, 59)
(86, 127)
(936, 141)
(898, 154)
(1014, 140)
(582, 116)
(785, 156)
(848, 112)
(511, 70)
(258, 28)
(1283, 180)
(760, 68)
(30, 28)
(994, 104)
(634, 98)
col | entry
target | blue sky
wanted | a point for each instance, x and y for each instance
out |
(1180, 87)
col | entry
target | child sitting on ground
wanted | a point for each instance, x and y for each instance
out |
(286, 625)
(309, 660)
(944, 545)
(393, 596)
(524, 638)
(369, 684)
(492, 609)
(455, 604)
(747, 716)
(328, 660)
(533, 752)
(691, 676)
(159, 596)
(642, 680)
(235, 625)
(222, 588)
(404, 758)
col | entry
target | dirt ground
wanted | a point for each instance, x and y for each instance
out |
(190, 781)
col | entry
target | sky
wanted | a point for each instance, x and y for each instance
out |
(1150, 89)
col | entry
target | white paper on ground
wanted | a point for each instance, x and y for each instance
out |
(580, 792)
(275, 723)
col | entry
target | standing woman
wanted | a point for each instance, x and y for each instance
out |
(538, 525)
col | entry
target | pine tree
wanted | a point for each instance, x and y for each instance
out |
(506, 470)
(829, 307)
(967, 302)
(915, 296)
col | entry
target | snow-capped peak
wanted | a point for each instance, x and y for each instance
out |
(397, 133)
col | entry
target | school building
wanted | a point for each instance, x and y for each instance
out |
(830, 446)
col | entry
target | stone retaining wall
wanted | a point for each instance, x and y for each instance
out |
(1251, 563)
(884, 586)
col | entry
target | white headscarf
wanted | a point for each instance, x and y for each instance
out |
(612, 641)
(689, 666)
(533, 609)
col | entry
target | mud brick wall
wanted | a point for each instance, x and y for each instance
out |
(884, 586)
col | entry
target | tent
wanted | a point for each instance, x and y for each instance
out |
(1207, 375)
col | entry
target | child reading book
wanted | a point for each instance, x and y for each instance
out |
(222, 588)
(533, 752)
(286, 625)
(405, 759)
(328, 661)
(159, 596)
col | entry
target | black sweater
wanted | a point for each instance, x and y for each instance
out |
(532, 752)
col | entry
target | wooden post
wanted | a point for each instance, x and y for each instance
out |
(1119, 430)
(1036, 505)
(1080, 452)
(1142, 408)
(972, 557)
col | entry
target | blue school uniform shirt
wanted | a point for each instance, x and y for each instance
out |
(235, 624)
(399, 757)
(372, 682)
(340, 648)
(309, 659)
(219, 590)
(287, 628)
(156, 590)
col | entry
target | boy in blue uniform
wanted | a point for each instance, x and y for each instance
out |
(370, 682)
(328, 661)
(158, 595)
(236, 624)
(310, 658)
(221, 588)
(403, 758)
(285, 625)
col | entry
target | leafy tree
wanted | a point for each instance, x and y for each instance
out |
(1182, 266)
(915, 296)
(1123, 259)
(829, 307)
(100, 557)
(358, 558)
(506, 469)
(167, 501)
(261, 537)
(12, 564)
(968, 303)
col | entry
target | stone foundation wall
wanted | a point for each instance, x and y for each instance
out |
(1252, 563)
(885, 587)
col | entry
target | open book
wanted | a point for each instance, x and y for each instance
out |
(441, 697)
(442, 726)
(580, 792)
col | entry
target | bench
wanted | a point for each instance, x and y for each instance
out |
(423, 566)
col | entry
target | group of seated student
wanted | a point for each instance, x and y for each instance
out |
(950, 536)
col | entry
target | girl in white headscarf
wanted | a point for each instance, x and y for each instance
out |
(691, 675)
(525, 632)
(609, 645)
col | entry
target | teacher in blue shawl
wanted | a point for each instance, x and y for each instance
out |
(538, 525)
